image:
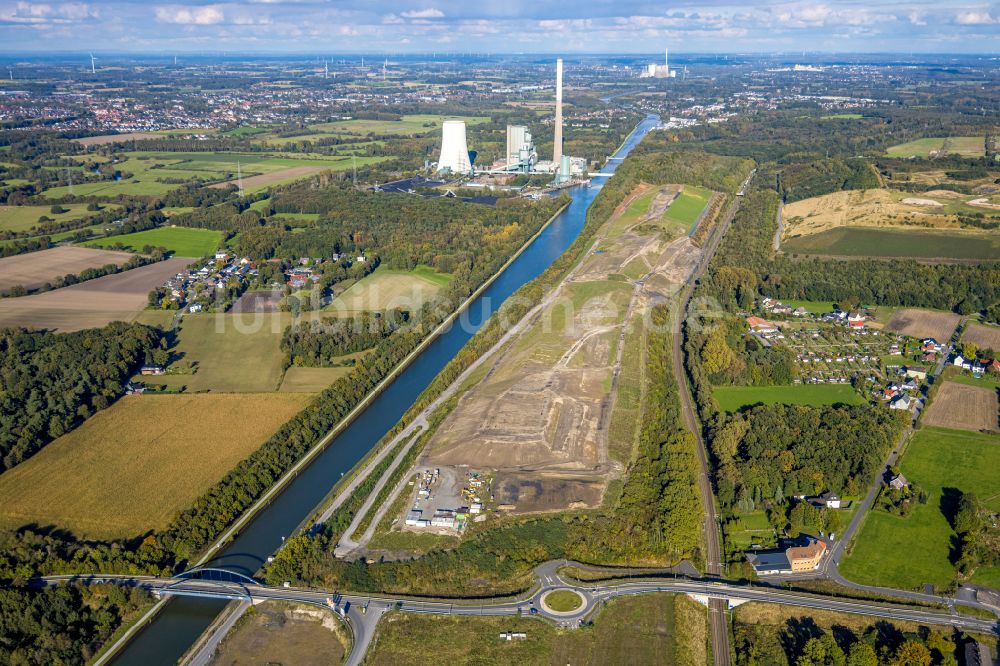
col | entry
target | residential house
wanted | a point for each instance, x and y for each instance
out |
(152, 370)
(899, 482)
(802, 555)
(903, 402)
(758, 325)
(827, 500)
(916, 373)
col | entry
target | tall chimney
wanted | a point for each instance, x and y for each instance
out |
(666, 60)
(557, 144)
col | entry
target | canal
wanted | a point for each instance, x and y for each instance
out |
(173, 631)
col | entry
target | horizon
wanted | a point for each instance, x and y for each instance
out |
(516, 27)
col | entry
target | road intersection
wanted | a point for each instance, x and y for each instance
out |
(363, 611)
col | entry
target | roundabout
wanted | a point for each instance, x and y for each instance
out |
(563, 602)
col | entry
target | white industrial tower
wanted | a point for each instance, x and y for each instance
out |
(454, 149)
(557, 142)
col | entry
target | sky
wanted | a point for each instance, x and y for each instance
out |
(499, 26)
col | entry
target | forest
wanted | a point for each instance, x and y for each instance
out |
(801, 642)
(317, 343)
(978, 535)
(52, 382)
(67, 624)
(770, 452)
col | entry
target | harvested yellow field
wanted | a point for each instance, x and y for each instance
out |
(34, 269)
(134, 466)
(919, 323)
(964, 408)
(865, 208)
(987, 337)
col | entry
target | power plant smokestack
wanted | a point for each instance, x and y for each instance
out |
(454, 149)
(666, 60)
(557, 144)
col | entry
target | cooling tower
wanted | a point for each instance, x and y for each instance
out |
(454, 150)
(557, 144)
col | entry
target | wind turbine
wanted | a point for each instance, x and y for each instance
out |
(93, 67)
(384, 65)
(326, 69)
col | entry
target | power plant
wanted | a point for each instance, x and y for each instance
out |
(521, 156)
(454, 157)
(557, 141)
(660, 71)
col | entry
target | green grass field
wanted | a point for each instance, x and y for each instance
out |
(234, 353)
(967, 146)
(734, 398)
(910, 552)
(182, 241)
(387, 288)
(659, 629)
(688, 205)
(410, 124)
(148, 169)
(23, 218)
(860, 242)
(842, 116)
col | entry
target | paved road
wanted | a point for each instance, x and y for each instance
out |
(713, 553)
(363, 611)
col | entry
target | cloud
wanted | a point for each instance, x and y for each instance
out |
(208, 15)
(430, 12)
(40, 13)
(974, 17)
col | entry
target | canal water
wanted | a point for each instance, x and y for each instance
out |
(166, 639)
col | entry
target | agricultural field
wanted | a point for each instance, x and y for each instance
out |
(812, 307)
(913, 551)
(409, 125)
(966, 146)
(387, 288)
(132, 467)
(860, 242)
(735, 398)
(964, 407)
(283, 633)
(985, 337)
(156, 173)
(118, 297)
(181, 241)
(34, 269)
(25, 218)
(650, 629)
(919, 323)
(230, 352)
(310, 380)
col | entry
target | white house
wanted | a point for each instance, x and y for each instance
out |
(901, 402)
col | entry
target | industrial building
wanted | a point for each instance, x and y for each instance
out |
(521, 153)
(454, 157)
(660, 71)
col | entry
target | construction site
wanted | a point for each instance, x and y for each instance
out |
(530, 433)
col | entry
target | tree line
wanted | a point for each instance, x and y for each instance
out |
(318, 343)
(52, 382)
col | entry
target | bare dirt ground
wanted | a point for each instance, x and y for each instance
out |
(918, 323)
(987, 337)
(863, 208)
(539, 418)
(257, 301)
(964, 407)
(279, 633)
(118, 297)
(34, 269)
(273, 177)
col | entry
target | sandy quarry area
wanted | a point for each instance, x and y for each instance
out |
(538, 421)
(864, 208)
